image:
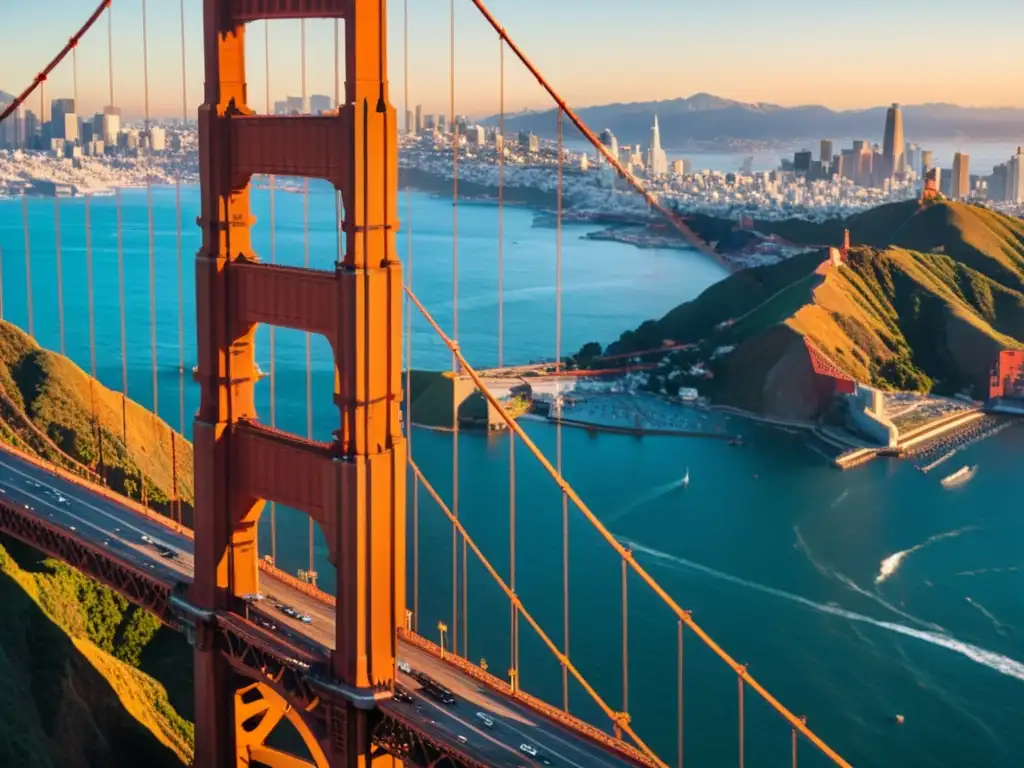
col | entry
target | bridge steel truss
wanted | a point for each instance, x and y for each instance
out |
(353, 488)
(139, 588)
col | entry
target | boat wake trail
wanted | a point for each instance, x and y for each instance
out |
(824, 570)
(995, 661)
(655, 493)
(999, 626)
(892, 563)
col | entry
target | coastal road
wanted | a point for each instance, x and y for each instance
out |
(102, 521)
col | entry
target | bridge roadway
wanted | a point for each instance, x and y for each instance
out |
(103, 522)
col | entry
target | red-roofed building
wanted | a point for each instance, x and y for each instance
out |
(1007, 379)
(829, 379)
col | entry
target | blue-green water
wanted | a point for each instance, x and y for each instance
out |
(775, 552)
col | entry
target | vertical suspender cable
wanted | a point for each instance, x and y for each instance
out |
(309, 337)
(739, 683)
(679, 692)
(273, 260)
(97, 431)
(501, 201)
(124, 335)
(514, 627)
(152, 245)
(455, 326)
(338, 202)
(181, 291)
(558, 427)
(120, 245)
(60, 271)
(28, 263)
(625, 640)
(408, 357)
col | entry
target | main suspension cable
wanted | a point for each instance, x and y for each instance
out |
(622, 551)
(41, 77)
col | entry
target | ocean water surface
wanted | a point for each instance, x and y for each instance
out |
(851, 596)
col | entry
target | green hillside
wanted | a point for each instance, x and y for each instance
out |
(72, 655)
(925, 305)
(47, 405)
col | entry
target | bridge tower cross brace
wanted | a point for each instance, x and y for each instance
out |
(354, 488)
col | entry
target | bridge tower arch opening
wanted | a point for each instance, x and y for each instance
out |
(353, 487)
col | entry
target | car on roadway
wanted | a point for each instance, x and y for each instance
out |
(287, 610)
(147, 540)
(462, 739)
(304, 618)
(166, 552)
(527, 749)
(402, 695)
(485, 719)
(265, 623)
(403, 666)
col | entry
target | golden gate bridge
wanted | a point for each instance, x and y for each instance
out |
(338, 678)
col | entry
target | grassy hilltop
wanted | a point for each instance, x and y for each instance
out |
(928, 297)
(89, 681)
(46, 409)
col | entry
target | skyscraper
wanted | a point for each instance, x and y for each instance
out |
(607, 138)
(418, 125)
(826, 151)
(58, 109)
(657, 160)
(960, 180)
(1014, 191)
(893, 144)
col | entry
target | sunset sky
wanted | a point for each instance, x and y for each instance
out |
(841, 53)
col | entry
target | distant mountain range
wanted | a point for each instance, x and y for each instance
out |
(6, 98)
(707, 119)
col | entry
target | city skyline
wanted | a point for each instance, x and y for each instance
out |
(719, 59)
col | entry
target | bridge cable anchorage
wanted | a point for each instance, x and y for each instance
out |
(613, 716)
(40, 78)
(58, 261)
(28, 262)
(453, 127)
(271, 329)
(407, 226)
(181, 292)
(559, 195)
(622, 551)
(672, 217)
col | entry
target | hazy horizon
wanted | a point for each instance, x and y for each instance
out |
(783, 53)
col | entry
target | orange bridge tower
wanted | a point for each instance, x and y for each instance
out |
(353, 487)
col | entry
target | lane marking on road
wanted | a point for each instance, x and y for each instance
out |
(471, 726)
